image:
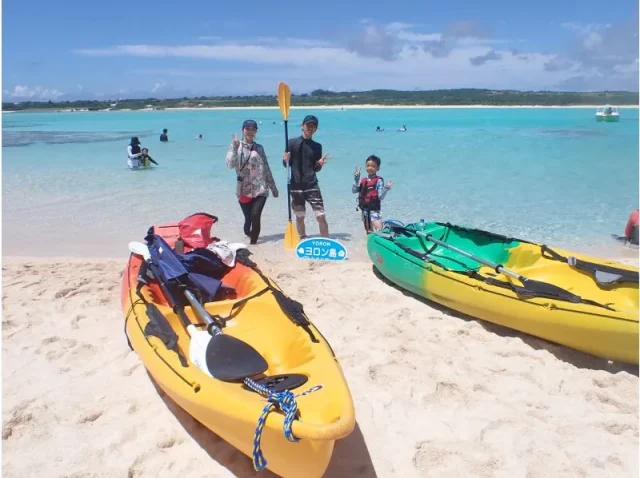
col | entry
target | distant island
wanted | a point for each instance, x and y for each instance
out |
(455, 97)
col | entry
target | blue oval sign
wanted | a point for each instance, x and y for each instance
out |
(321, 249)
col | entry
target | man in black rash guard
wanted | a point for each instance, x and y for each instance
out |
(305, 156)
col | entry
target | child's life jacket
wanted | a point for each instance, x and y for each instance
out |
(368, 197)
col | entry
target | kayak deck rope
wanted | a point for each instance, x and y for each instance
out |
(286, 402)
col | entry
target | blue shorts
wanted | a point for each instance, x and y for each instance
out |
(372, 215)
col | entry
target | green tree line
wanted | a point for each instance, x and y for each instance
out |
(455, 97)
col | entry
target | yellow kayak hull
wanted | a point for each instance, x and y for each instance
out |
(326, 411)
(610, 333)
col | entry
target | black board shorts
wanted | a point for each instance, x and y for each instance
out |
(312, 196)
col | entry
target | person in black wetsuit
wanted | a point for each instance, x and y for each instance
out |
(306, 159)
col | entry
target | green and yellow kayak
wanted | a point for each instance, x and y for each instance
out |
(583, 302)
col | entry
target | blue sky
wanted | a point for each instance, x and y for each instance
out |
(84, 49)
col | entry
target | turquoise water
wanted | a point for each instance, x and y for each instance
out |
(550, 175)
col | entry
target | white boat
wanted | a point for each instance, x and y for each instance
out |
(607, 113)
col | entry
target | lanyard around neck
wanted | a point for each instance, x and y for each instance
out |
(244, 165)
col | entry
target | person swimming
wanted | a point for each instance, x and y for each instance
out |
(145, 159)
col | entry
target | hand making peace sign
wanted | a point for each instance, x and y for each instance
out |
(324, 159)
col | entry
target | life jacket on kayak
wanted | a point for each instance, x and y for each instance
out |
(368, 197)
(631, 230)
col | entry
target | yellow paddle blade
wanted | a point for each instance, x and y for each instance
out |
(291, 238)
(284, 99)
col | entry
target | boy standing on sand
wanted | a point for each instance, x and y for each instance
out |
(371, 191)
(305, 156)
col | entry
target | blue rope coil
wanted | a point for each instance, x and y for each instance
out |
(286, 402)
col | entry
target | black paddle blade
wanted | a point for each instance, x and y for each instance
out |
(231, 359)
(535, 288)
(543, 289)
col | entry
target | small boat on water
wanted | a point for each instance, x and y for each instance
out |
(608, 114)
(579, 301)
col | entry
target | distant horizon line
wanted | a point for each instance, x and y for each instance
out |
(326, 92)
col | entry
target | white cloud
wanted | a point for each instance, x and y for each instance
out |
(399, 26)
(592, 40)
(288, 41)
(481, 41)
(317, 67)
(395, 55)
(609, 50)
(266, 40)
(418, 37)
(35, 93)
(584, 28)
(299, 56)
(158, 86)
(628, 69)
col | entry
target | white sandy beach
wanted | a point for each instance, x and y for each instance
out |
(332, 107)
(350, 107)
(435, 394)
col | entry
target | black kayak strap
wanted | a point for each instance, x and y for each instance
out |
(158, 326)
(292, 309)
(603, 274)
(222, 321)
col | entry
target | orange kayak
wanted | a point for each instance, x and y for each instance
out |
(299, 359)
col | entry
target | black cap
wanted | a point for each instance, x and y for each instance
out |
(310, 119)
(249, 124)
(135, 140)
